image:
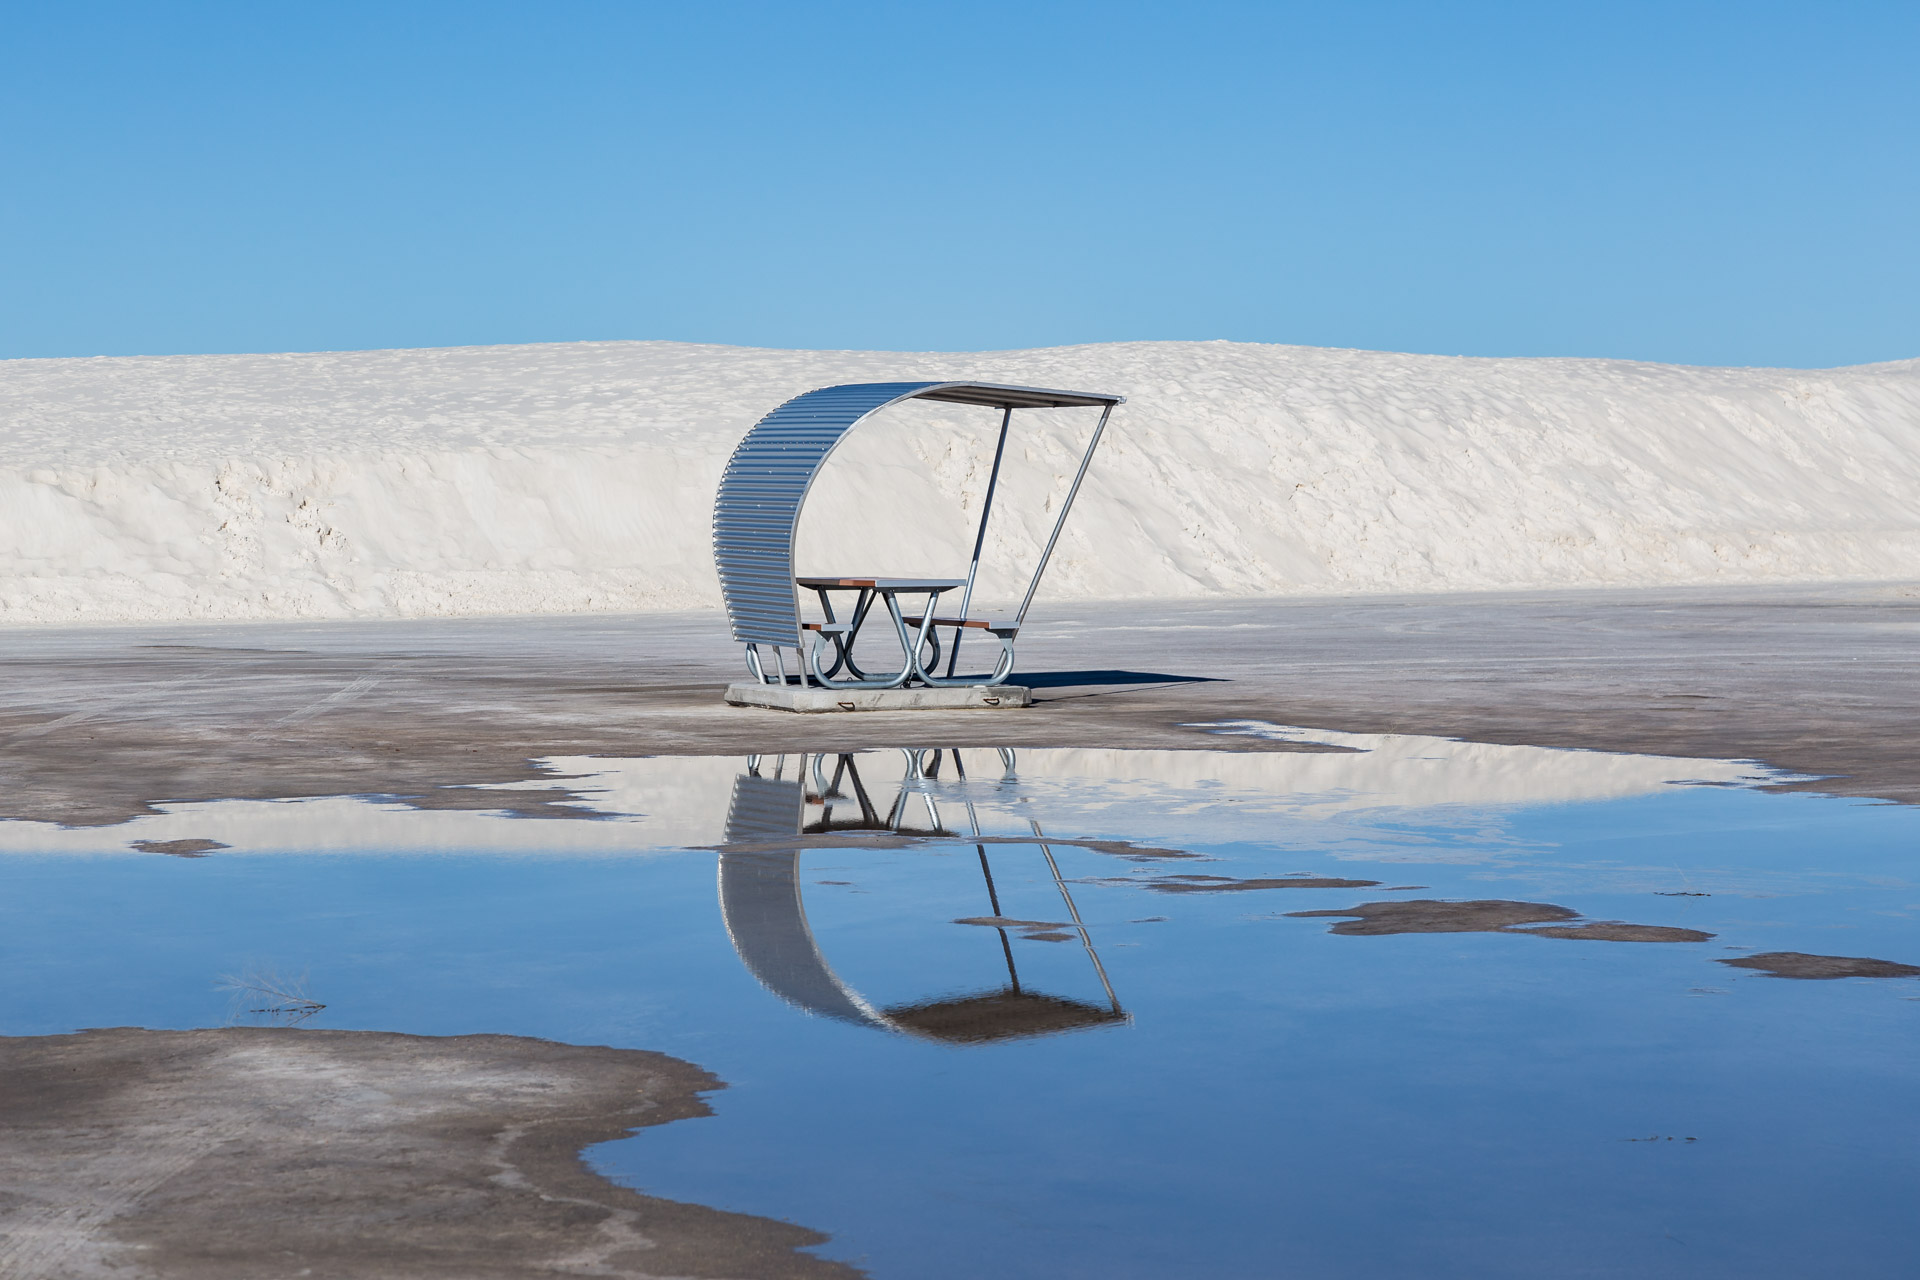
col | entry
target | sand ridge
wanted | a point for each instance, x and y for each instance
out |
(579, 477)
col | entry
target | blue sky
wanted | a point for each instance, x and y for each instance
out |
(1734, 183)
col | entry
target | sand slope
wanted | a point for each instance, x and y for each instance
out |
(580, 476)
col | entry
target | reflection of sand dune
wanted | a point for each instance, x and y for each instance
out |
(1393, 771)
(1196, 796)
(1372, 788)
(629, 806)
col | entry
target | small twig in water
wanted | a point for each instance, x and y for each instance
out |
(264, 993)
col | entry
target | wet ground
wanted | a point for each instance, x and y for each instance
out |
(96, 724)
(1183, 971)
(1392, 1006)
(237, 1152)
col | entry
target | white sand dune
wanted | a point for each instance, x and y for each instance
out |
(580, 476)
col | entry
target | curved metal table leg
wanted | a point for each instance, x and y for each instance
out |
(820, 640)
(862, 605)
(1002, 668)
(911, 643)
(843, 642)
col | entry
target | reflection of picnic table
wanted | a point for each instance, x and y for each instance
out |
(915, 633)
(762, 900)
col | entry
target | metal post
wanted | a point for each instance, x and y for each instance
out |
(980, 538)
(993, 896)
(869, 818)
(1085, 937)
(1061, 522)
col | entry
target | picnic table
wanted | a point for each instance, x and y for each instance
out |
(915, 633)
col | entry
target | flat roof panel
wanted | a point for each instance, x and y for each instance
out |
(1003, 397)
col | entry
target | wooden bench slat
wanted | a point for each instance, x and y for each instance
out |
(982, 624)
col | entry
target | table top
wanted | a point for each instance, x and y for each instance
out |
(883, 584)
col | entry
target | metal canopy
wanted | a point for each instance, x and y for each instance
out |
(767, 480)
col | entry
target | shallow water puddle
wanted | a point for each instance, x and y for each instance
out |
(1409, 1007)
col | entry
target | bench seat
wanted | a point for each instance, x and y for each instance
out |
(979, 624)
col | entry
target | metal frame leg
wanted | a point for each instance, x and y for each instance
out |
(911, 644)
(1086, 938)
(1002, 667)
(820, 641)
(843, 644)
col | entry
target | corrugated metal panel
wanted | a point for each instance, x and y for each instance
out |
(765, 809)
(767, 923)
(758, 506)
(761, 906)
(766, 482)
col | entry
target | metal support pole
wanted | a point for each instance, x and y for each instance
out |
(1085, 937)
(980, 538)
(1061, 522)
(993, 897)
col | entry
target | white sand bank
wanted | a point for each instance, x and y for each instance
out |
(580, 476)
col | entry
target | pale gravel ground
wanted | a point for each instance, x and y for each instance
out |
(98, 724)
(249, 1152)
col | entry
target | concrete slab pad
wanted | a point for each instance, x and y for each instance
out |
(793, 697)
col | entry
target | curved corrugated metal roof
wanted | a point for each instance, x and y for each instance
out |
(757, 509)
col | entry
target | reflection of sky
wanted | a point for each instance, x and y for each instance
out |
(1284, 1101)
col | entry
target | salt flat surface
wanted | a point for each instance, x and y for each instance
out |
(580, 476)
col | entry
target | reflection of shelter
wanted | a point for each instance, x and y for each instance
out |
(757, 513)
(761, 901)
